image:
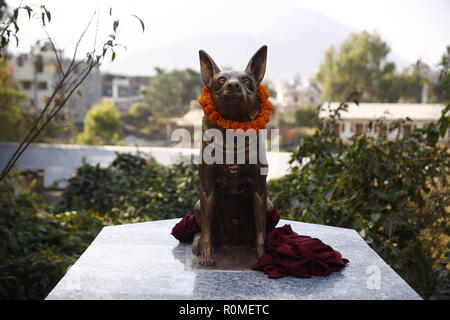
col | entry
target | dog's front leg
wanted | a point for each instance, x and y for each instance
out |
(259, 200)
(207, 212)
(260, 237)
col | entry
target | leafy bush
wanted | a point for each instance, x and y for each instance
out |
(36, 248)
(133, 188)
(394, 193)
(170, 92)
(140, 110)
(92, 187)
(10, 106)
(306, 115)
(102, 125)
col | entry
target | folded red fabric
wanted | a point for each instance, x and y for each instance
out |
(291, 254)
(273, 220)
(185, 230)
(287, 253)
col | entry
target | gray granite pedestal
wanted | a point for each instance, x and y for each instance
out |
(144, 261)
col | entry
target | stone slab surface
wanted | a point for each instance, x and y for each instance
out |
(144, 261)
(225, 258)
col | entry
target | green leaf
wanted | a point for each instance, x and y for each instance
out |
(16, 27)
(29, 11)
(140, 20)
(115, 25)
(113, 56)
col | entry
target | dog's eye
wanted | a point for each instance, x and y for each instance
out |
(221, 81)
(248, 83)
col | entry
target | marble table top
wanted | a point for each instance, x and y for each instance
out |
(144, 261)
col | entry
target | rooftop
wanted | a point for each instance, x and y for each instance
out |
(387, 111)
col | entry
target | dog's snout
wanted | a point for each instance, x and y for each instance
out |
(233, 86)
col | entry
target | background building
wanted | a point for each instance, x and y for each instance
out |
(37, 74)
(292, 93)
(123, 90)
(362, 118)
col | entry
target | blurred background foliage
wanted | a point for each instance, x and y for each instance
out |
(361, 63)
(394, 193)
(133, 189)
(10, 110)
(170, 92)
(39, 241)
(102, 125)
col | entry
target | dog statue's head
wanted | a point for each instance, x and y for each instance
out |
(234, 92)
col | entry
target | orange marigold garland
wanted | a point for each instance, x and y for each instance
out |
(215, 118)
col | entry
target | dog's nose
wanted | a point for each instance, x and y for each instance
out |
(234, 86)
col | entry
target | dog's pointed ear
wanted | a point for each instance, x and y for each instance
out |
(208, 68)
(257, 64)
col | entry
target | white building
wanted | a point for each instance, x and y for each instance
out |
(124, 90)
(37, 74)
(363, 118)
(292, 93)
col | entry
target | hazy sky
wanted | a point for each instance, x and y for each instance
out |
(413, 28)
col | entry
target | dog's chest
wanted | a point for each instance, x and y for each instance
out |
(235, 178)
(237, 158)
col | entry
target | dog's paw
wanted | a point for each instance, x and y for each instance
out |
(206, 257)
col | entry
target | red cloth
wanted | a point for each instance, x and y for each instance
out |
(287, 252)
(185, 230)
(291, 254)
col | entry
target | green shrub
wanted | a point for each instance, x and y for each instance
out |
(140, 110)
(133, 189)
(92, 187)
(36, 248)
(307, 115)
(394, 193)
(102, 125)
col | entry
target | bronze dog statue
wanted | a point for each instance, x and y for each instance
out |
(233, 206)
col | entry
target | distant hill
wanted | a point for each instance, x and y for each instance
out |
(297, 40)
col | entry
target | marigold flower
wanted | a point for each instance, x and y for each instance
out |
(214, 117)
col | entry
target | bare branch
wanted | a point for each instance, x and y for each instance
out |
(79, 41)
(66, 86)
(58, 59)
